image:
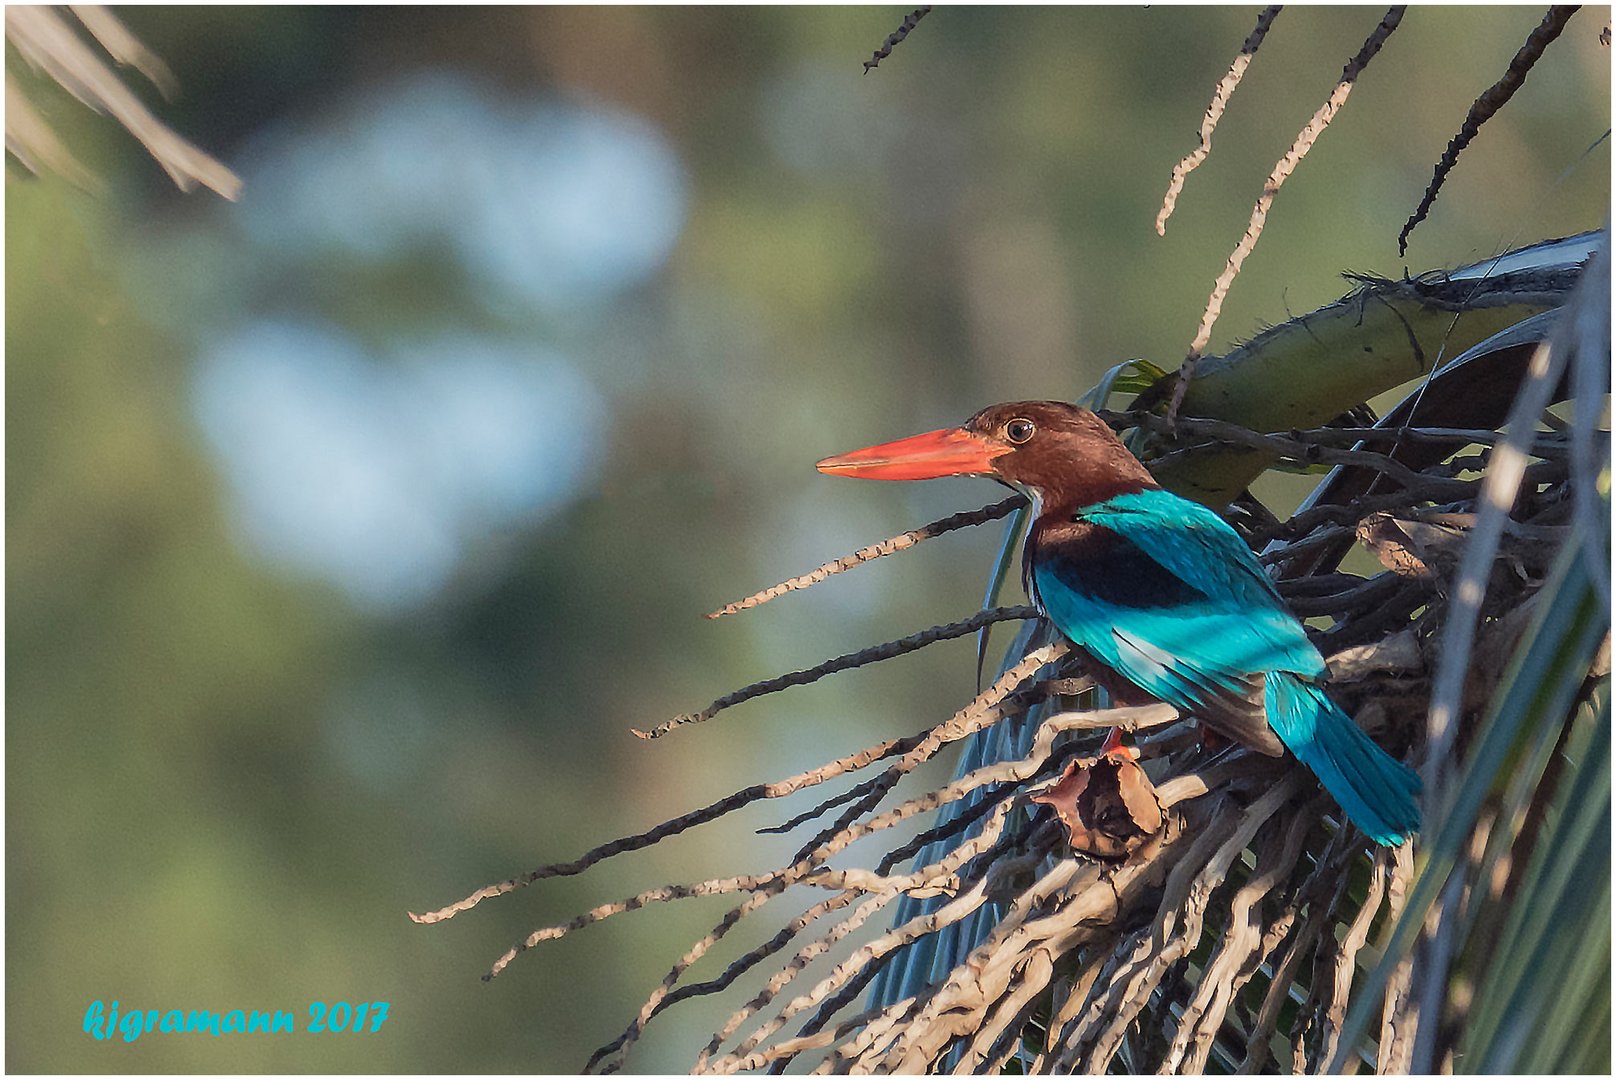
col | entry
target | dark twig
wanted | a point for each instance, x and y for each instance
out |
(1328, 879)
(1001, 700)
(1021, 700)
(1483, 108)
(815, 811)
(909, 22)
(956, 826)
(1294, 449)
(1436, 487)
(875, 551)
(884, 651)
(1214, 112)
(762, 952)
(1259, 212)
(620, 1046)
(1367, 594)
(1547, 445)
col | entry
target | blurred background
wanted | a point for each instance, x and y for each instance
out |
(352, 525)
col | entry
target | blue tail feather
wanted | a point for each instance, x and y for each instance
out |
(1379, 793)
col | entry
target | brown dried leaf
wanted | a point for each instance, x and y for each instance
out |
(1404, 547)
(1107, 803)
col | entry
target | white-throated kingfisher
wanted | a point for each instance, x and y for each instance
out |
(1160, 591)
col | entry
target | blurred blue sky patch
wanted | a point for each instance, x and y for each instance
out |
(375, 466)
(375, 472)
(551, 202)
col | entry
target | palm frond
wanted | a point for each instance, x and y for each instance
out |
(48, 42)
(1256, 929)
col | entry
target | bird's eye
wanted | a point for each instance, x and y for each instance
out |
(1019, 430)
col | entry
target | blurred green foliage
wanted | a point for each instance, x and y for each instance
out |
(226, 785)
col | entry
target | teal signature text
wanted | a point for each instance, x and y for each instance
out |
(104, 1022)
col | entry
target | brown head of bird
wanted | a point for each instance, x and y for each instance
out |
(1060, 455)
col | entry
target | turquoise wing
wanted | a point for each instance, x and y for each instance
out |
(1168, 596)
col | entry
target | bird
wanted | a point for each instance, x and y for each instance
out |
(1162, 595)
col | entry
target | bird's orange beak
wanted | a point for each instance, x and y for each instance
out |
(949, 452)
